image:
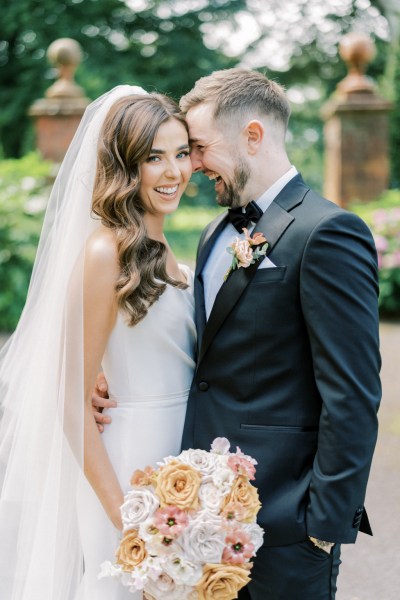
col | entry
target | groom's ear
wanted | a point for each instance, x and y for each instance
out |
(254, 132)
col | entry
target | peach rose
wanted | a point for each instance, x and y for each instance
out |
(222, 582)
(178, 484)
(243, 253)
(246, 495)
(131, 551)
(258, 238)
(143, 478)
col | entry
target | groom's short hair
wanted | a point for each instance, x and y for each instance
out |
(239, 91)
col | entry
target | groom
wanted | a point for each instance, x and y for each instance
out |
(288, 357)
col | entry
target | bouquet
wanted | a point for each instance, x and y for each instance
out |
(189, 526)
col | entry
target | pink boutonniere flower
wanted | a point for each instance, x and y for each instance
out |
(246, 252)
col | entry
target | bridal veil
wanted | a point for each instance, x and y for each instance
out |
(41, 389)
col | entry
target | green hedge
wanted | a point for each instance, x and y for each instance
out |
(24, 188)
(383, 217)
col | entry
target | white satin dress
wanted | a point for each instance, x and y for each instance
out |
(149, 369)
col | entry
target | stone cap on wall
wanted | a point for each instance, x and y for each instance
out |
(65, 97)
(356, 92)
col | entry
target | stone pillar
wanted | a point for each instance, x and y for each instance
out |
(356, 130)
(57, 116)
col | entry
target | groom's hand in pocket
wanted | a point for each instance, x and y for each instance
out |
(100, 401)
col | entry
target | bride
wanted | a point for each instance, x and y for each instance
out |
(106, 291)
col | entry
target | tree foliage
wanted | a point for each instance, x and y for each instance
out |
(167, 44)
(395, 124)
(157, 47)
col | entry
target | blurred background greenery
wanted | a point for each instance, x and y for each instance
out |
(166, 45)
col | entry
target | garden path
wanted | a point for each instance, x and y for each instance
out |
(371, 567)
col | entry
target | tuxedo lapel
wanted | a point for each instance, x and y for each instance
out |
(272, 224)
(207, 243)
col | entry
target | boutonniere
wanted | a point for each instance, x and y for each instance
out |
(246, 252)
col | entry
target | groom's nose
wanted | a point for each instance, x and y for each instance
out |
(197, 163)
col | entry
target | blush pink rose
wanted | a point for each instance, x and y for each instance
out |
(242, 252)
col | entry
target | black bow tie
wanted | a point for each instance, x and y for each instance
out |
(240, 219)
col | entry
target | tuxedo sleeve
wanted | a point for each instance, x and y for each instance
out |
(339, 291)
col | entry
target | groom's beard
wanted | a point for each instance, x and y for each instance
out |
(231, 193)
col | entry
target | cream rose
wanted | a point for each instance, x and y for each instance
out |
(140, 504)
(131, 551)
(222, 582)
(204, 539)
(183, 571)
(210, 497)
(245, 494)
(200, 460)
(256, 534)
(223, 476)
(166, 588)
(178, 485)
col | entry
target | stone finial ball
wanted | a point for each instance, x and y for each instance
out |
(357, 48)
(65, 51)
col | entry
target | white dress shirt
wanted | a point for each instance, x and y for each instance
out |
(219, 259)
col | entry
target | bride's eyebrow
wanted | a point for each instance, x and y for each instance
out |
(159, 151)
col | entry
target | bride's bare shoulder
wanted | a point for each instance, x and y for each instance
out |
(101, 244)
(101, 251)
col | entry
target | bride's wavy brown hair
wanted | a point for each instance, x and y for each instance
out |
(124, 144)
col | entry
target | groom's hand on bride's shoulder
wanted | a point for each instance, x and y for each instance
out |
(100, 401)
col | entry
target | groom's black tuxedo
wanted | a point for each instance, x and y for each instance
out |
(288, 367)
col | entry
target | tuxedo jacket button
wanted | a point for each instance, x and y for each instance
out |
(203, 386)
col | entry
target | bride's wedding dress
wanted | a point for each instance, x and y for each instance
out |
(149, 369)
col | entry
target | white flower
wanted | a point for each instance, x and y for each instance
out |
(220, 445)
(203, 540)
(166, 460)
(153, 566)
(134, 580)
(147, 530)
(166, 588)
(223, 477)
(183, 571)
(140, 504)
(156, 546)
(107, 569)
(150, 568)
(256, 534)
(199, 459)
(154, 541)
(210, 497)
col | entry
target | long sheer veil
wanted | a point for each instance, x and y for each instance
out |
(41, 389)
